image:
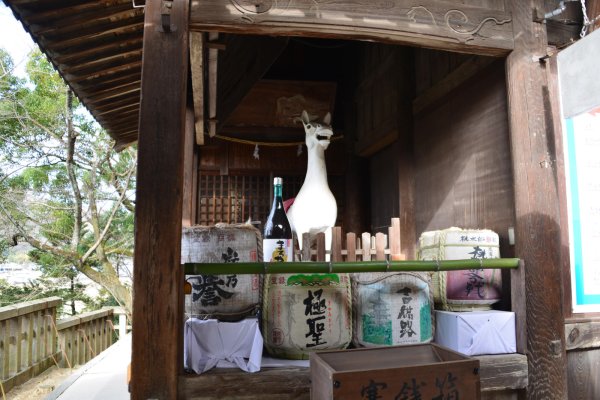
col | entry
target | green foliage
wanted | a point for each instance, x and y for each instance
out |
(3, 250)
(42, 288)
(62, 186)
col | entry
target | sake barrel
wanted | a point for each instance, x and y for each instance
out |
(303, 313)
(391, 309)
(227, 297)
(466, 290)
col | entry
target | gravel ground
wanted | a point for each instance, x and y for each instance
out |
(41, 386)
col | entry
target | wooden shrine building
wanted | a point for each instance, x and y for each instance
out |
(447, 114)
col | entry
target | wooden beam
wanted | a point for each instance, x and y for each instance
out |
(136, 65)
(129, 27)
(537, 232)
(189, 167)
(197, 67)
(213, 59)
(81, 53)
(157, 355)
(582, 335)
(81, 7)
(502, 371)
(99, 62)
(429, 23)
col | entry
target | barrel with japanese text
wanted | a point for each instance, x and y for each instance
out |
(391, 309)
(465, 290)
(303, 313)
(227, 297)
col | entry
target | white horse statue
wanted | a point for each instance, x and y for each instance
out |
(314, 209)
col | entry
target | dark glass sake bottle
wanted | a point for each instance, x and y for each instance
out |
(277, 238)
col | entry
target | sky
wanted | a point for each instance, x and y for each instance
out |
(14, 39)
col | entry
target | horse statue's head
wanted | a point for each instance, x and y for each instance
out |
(317, 133)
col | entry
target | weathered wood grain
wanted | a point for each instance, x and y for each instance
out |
(500, 372)
(583, 367)
(426, 23)
(462, 159)
(197, 68)
(269, 384)
(382, 70)
(582, 335)
(450, 82)
(157, 352)
(537, 230)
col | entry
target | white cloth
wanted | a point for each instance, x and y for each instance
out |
(210, 343)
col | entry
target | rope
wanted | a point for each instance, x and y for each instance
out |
(87, 341)
(112, 326)
(269, 144)
(59, 345)
(586, 20)
(2, 389)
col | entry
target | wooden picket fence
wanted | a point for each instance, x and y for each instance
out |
(363, 247)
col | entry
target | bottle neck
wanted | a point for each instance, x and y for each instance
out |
(277, 191)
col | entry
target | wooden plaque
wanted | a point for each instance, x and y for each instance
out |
(401, 372)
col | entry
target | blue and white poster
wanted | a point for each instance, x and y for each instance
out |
(582, 156)
(580, 108)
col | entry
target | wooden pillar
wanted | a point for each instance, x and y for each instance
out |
(537, 229)
(158, 277)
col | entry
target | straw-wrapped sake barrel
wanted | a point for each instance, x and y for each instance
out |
(228, 297)
(306, 312)
(391, 309)
(467, 290)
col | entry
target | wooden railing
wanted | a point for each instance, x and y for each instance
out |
(31, 340)
(84, 336)
(28, 341)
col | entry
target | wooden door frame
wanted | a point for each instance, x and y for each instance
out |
(158, 278)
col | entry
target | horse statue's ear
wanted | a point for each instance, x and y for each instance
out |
(305, 119)
(327, 119)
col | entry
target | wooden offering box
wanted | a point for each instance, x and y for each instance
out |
(424, 371)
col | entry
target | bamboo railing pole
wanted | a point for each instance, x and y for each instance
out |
(348, 267)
